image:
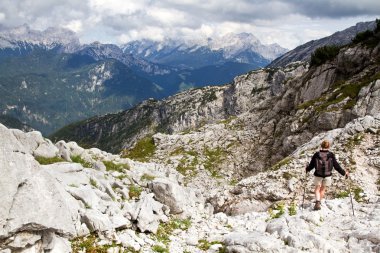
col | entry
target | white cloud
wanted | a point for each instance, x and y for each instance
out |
(75, 25)
(286, 22)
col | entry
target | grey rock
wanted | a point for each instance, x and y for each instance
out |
(253, 242)
(173, 195)
(64, 150)
(46, 149)
(99, 165)
(56, 244)
(148, 213)
(24, 240)
(96, 221)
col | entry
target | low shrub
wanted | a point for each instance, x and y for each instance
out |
(323, 54)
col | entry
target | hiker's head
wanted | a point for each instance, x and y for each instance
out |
(325, 144)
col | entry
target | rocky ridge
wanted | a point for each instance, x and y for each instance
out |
(303, 52)
(130, 206)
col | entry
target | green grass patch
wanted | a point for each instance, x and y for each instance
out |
(142, 151)
(89, 244)
(147, 177)
(342, 194)
(281, 163)
(182, 151)
(228, 120)
(233, 182)
(358, 194)
(111, 166)
(205, 245)
(166, 229)
(187, 168)
(160, 249)
(287, 175)
(292, 209)
(134, 191)
(93, 182)
(46, 160)
(78, 159)
(214, 157)
(277, 211)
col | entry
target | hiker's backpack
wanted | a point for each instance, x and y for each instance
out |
(324, 164)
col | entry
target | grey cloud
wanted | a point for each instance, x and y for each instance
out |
(336, 8)
(30, 11)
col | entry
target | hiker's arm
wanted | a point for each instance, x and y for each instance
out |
(337, 166)
(311, 164)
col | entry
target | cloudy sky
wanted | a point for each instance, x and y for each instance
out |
(286, 22)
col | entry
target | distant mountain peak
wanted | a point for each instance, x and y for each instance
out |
(49, 38)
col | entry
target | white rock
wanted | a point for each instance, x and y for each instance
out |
(254, 242)
(75, 150)
(96, 221)
(173, 195)
(99, 165)
(56, 244)
(148, 214)
(63, 150)
(24, 239)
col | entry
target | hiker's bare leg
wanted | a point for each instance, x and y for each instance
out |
(322, 191)
(317, 193)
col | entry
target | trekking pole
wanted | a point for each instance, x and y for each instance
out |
(304, 190)
(349, 189)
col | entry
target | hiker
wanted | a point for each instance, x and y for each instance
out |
(323, 162)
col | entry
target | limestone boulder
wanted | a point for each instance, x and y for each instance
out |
(178, 198)
(148, 213)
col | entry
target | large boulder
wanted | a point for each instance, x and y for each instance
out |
(178, 198)
(148, 213)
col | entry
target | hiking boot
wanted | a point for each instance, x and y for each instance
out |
(317, 205)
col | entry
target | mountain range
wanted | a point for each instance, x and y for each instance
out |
(213, 169)
(239, 48)
(47, 75)
(284, 106)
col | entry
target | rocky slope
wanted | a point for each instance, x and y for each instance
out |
(87, 199)
(266, 113)
(303, 52)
